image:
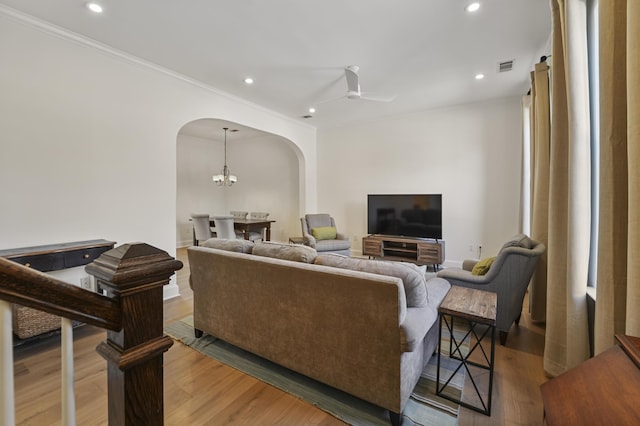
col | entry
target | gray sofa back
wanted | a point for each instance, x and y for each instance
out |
(348, 329)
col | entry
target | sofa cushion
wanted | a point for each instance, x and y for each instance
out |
(332, 245)
(482, 267)
(237, 244)
(324, 233)
(414, 282)
(294, 252)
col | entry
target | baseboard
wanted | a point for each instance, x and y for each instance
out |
(171, 290)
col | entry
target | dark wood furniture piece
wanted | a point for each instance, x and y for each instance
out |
(415, 250)
(604, 390)
(28, 322)
(54, 257)
(478, 309)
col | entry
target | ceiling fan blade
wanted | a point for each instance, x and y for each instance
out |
(351, 73)
(324, 101)
(377, 98)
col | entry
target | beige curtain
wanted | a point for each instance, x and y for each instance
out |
(618, 285)
(567, 337)
(540, 136)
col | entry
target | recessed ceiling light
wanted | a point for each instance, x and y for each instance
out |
(479, 76)
(94, 7)
(248, 80)
(312, 110)
(472, 7)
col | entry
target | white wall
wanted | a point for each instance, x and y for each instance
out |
(267, 171)
(89, 151)
(89, 140)
(471, 154)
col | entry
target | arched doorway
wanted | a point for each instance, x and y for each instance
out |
(268, 168)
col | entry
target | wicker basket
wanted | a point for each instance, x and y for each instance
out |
(28, 322)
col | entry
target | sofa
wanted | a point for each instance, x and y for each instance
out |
(369, 334)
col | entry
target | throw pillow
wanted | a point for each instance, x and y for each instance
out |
(415, 285)
(294, 252)
(324, 233)
(422, 269)
(482, 267)
(238, 245)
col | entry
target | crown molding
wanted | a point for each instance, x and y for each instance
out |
(68, 35)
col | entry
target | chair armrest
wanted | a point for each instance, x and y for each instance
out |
(309, 240)
(454, 275)
(468, 264)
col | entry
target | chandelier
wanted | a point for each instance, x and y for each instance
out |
(225, 178)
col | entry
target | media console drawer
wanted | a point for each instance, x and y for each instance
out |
(371, 247)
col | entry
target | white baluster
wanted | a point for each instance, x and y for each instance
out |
(7, 403)
(68, 393)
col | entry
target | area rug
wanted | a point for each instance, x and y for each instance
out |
(423, 408)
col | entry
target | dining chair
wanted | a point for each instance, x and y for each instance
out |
(201, 227)
(256, 236)
(224, 227)
(238, 214)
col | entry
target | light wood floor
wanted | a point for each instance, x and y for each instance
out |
(201, 391)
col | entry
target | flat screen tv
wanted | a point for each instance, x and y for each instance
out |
(405, 215)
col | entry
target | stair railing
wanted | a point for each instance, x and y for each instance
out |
(131, 277)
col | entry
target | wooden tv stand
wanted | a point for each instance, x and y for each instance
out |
(416, 250)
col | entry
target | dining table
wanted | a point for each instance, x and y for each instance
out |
(245, 226)
(248, 225)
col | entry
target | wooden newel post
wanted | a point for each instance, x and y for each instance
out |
(134, 274)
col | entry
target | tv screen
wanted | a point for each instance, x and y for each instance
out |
(406, 215)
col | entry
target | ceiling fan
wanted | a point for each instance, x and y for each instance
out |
(353, 88)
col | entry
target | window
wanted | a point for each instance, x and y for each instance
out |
(594, 102)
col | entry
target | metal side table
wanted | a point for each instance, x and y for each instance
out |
(478, 309)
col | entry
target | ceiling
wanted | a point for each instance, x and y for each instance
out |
(425, 53)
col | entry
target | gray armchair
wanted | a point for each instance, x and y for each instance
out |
(340, 244)
(508, 276)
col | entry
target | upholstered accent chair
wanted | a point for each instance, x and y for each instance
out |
(508, 275)
(319, 231)
(201, 227)
(224, 227)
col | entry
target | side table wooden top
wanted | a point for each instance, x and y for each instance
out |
(471, 304)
